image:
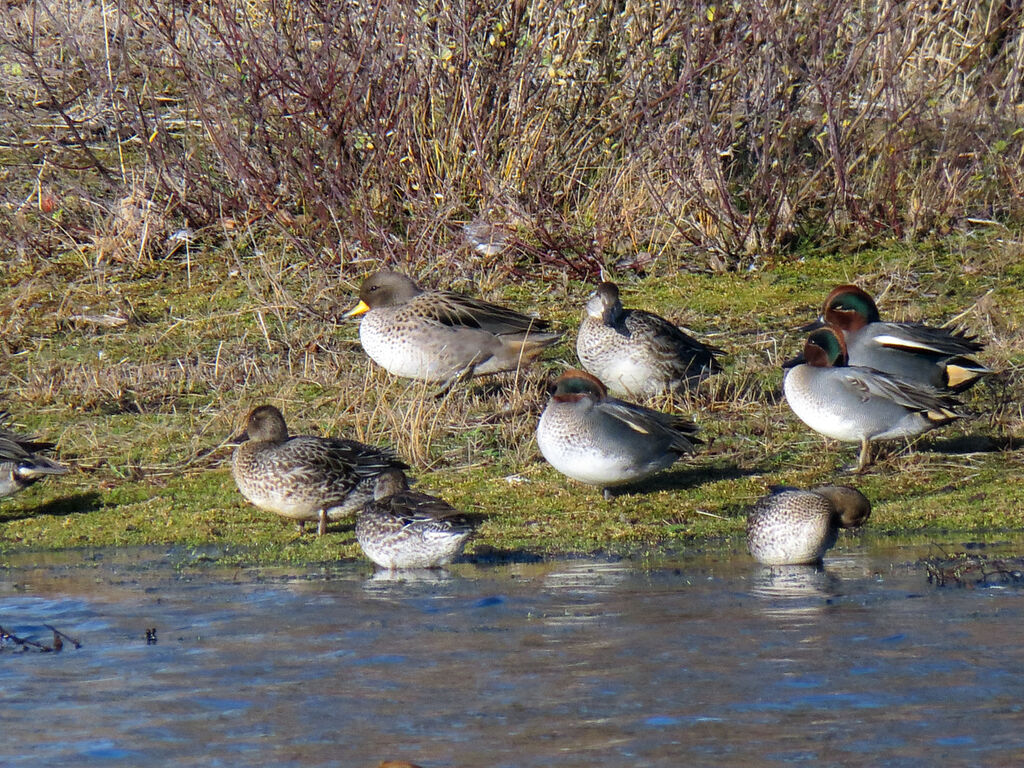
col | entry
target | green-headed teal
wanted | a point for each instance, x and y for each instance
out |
(439, 336)
(856, 404)
(637, 353)
(305, 478)
(938, 357)
(791, 526)
(402, 529)
(20, 462)
(598, 440)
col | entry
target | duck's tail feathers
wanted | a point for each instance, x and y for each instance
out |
(38, 467)
(944, 415)
(963, 373)
(530, 347)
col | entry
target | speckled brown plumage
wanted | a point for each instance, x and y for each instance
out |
(407, 529)
(796, 527)
(305, 478)
(438, 336)
(637, 353)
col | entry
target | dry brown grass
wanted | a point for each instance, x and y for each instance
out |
(704, 135)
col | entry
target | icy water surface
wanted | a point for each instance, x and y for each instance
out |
(702, 659)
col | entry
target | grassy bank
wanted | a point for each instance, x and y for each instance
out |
(192, 194)
(139, 372)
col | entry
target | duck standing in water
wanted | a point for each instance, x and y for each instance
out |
(795, 527)
(402, 529)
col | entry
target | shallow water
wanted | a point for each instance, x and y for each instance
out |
(695, 659)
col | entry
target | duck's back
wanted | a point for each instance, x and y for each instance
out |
(304, 474)
(935, 357)
(790, 527)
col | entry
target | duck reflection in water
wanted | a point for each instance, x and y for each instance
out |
(794, 591)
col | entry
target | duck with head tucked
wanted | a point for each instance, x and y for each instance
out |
(21, 462)
(637, 353)
(936, 357)
(856, 404)
(602, 441)
(305, 478)
(791, 526)
(402, 529)
(440, 336)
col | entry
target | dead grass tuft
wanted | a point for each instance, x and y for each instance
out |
(708, 136)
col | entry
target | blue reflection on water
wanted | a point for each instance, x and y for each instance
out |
(576, 663)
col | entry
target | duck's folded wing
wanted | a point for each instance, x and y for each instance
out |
(29, 465)
(360, 459)
(455, 309)
(414, 508)
(674, 345)
(646, 421)
(924, 339)
(25, 443)
(867, 382)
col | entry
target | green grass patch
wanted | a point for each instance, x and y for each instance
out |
(141, 411)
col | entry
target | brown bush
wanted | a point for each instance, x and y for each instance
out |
(592, 131)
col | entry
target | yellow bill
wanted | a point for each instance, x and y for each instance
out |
(357, 310)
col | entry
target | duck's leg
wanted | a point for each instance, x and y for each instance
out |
(444, 389)
(300, 527)
(321, 527)
(458, 378)
(865, 455)
(608, 495)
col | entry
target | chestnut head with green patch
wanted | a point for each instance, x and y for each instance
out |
(849, 308)
(574, 385)
(825, 348)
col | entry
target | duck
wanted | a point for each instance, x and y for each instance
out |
(636, 353)
(858, 404)
(305, 478)
(440, 336)
(402, 529)
(21, 462)
(599, 440)
(791, 526)
(936, 357)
